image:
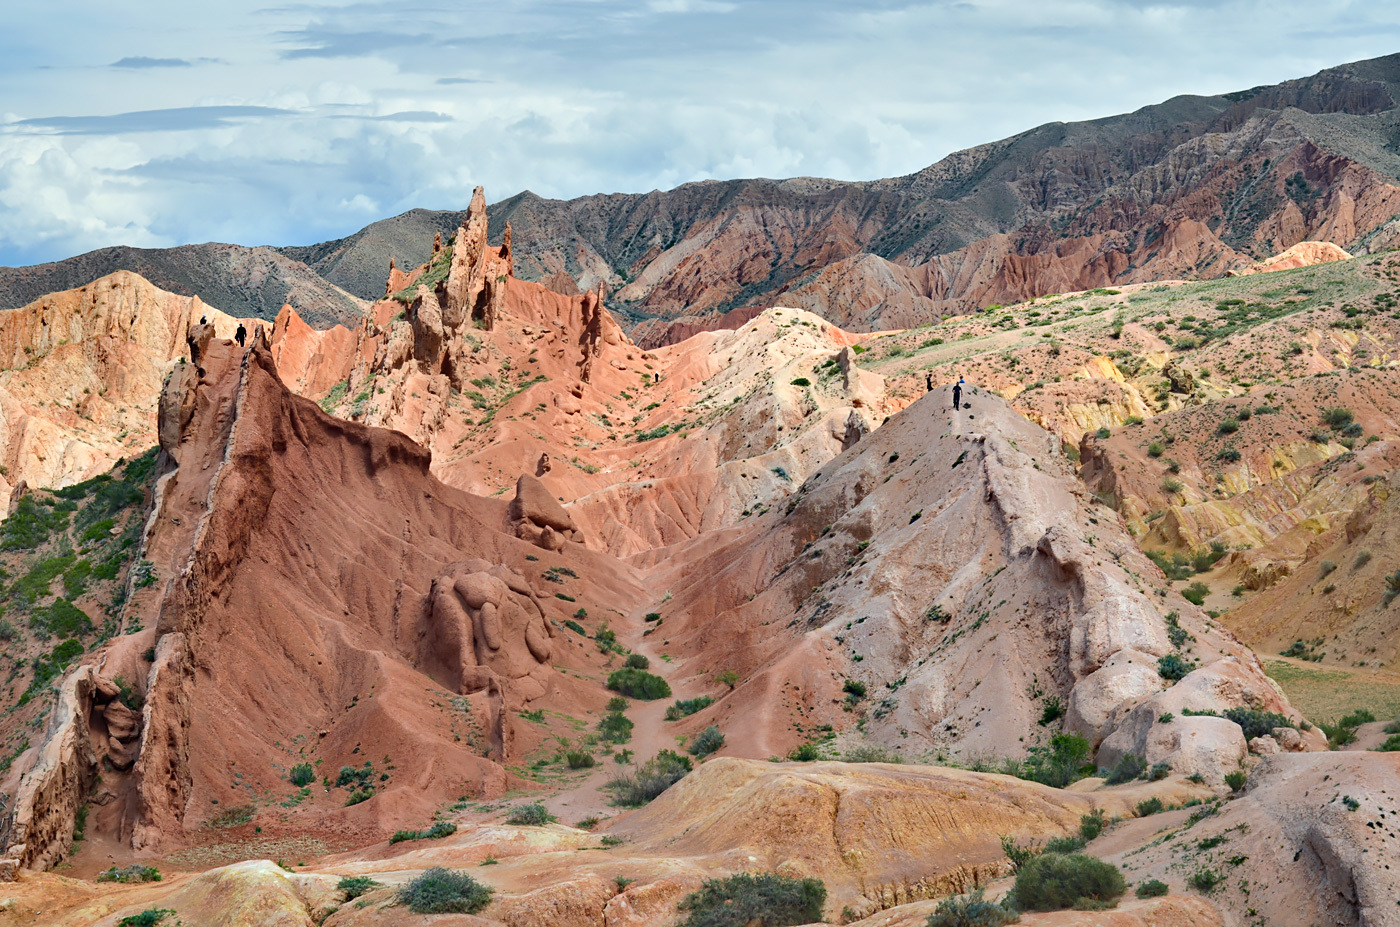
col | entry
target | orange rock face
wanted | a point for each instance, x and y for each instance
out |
(1303, 254)
(80, 372)
(422, 598)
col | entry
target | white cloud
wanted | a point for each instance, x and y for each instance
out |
(376, 107)
(691, 6)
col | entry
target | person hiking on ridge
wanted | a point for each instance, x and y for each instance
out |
(957, 394)
(240, 335)
(928, 381)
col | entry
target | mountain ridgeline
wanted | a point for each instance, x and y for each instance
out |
(1196, 186)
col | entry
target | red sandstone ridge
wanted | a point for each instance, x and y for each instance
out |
(323, 599)
(499, 376)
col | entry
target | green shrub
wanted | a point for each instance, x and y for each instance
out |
(150, 917)
(302, 774)
(653, 616)
(136, 873)
(615, 728)
(439, 829)
(61, 619)
(618, 703)
(755, 899)
(359, 795)
(532, 815)
(1150, 807)
(1204, 880)
(1229, 426)
(1053, 881)
(1064, 844)
(1256, 723)
(1130, 767)
(801, 381)
(638, 684)
(1018, 855)
(1337, 417)
(706, 742)
(1391, 745)
(1156, 449)
(637, 661)
(1052, 710)
(1196, 593)
(1173, 668)
(970, 911)
(1236, 779)
(355, 886)
(1092, 824)
(1064, 760)
(579, 759)
(30, 525)
(653, 777)
(1152, 888)
(233, 817)
(854, 687)
(1357, 718)
(687, 706)
(444, 891)
(870, 753)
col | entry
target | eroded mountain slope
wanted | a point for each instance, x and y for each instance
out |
(952, 564)
(80, 373)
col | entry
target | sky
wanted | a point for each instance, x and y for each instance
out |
(159, 123)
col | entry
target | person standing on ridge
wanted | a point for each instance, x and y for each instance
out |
(928, 381)
(957, 394)
(240, 335)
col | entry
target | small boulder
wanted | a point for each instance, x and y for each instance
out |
(1264, 746)
(1181, 379)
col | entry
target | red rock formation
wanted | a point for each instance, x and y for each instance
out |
(354, 581)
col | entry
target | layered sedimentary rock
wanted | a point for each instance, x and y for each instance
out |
(953, 561)
(80, 373)
(359, 581)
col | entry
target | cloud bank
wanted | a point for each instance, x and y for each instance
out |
(289, 124)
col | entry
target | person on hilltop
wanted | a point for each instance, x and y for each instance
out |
(240, 335)
(957, 393)
(928, 381)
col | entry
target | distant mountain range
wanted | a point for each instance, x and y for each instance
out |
(1193, 187)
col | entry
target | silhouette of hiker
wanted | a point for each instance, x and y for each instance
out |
(928, 381)
(241, 335)
(203, 320)
(957, 394)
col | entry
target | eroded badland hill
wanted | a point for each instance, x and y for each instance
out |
(476, 611)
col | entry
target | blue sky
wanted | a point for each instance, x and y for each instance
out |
(160, 123)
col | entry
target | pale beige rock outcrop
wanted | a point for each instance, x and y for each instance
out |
(81, 372)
